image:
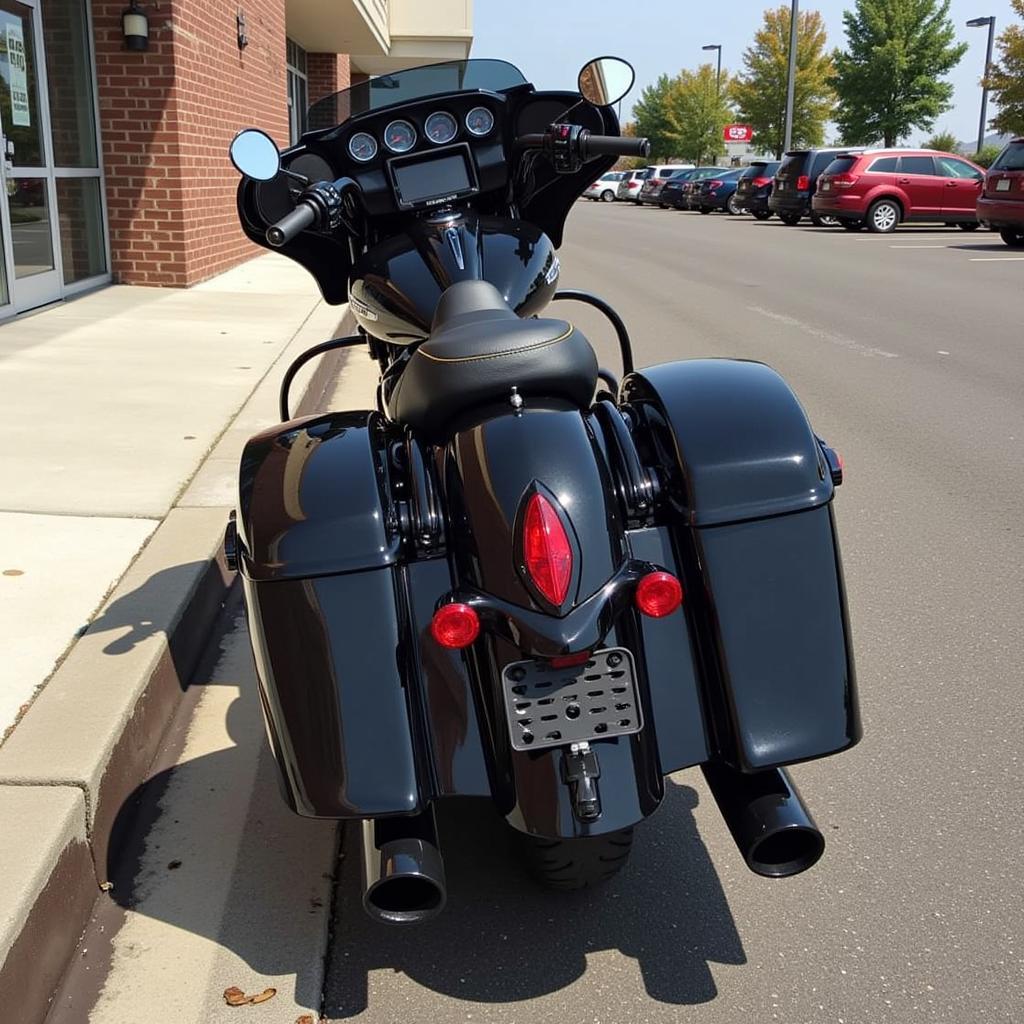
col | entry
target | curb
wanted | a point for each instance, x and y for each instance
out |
(88, 740)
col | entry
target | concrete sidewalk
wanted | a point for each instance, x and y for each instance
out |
(124, 415)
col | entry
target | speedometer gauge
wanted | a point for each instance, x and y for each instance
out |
(362, 147)
(441, 127)
(399, 136)
(479, 121)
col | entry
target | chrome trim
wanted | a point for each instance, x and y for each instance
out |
(409, 125)
(441, 113)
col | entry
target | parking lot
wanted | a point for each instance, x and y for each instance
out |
(906, 351)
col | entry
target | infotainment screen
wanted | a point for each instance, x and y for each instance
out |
(432, 179)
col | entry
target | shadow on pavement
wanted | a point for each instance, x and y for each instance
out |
(502, 939)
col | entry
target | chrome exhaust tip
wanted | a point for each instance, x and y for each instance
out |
(769, 822)
(403, 874)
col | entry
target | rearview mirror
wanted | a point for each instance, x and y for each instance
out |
(606, 80)
(254, 154)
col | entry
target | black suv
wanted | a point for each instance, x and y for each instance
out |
(795, 182)
(754, 188)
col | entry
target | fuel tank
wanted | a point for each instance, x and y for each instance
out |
(396, 285)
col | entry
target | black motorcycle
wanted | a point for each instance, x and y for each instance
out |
(519, 577)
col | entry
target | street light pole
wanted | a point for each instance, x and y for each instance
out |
(979, 23)
(791, 80)
(718, 75)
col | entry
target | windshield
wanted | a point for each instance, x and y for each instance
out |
(412, 84)
(1011, 158)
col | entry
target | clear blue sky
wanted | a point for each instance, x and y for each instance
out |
(550, 39)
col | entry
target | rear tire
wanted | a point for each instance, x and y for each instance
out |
(791, 219)
(762, 214)
(823, 220)
(884, 216)
(733, 206)
(969, 226)
(1014, 239)
(569, 865)
(607, 196)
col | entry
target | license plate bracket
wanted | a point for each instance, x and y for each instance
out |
(548, 707)
(1003, 185)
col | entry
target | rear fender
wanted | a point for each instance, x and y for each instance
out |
(750, 495)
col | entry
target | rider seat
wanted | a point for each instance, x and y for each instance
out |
(478, 350)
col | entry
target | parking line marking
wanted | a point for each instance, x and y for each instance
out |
(818, 332)
(918, 246)
(997, 259)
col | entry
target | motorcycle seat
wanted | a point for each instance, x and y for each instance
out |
(477, 350)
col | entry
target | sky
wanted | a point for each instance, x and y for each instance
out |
(549, 40)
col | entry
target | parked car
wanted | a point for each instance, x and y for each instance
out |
(719, 192)
(1001, 204)
(660, 173)
(604, 188)
(795, 182)
(691, 187)
(629, 187)
(673, 189)
(881, 188)
(755, 187)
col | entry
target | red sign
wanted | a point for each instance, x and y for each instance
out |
(738, 133)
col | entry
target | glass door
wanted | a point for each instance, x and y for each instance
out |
(31, 275)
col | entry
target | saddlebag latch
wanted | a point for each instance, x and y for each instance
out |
(580, 772)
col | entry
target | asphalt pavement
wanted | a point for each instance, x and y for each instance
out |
(906, 351)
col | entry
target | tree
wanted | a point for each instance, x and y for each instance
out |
(945, 142)
(650, 116)
(760, 91)
(697, 111)
(890, 79)
(1006, 79)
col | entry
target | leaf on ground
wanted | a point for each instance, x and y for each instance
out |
(234, 996)
(267, 993)
(306, 1018)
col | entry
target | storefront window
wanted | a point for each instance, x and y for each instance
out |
(69, 70)
(80, 216)
(19, 97)
(298, 91)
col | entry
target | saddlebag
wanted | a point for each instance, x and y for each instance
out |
(750, 491)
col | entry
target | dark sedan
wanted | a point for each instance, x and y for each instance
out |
(755, 186)
(687, 186)
(719, 192)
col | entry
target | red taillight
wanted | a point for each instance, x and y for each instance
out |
(761, 182)
(844, 180)
(803, 183)
(546, 550)
(714, 184)
(659, 594)
(631, 184)
(571, 660)
(455, 625)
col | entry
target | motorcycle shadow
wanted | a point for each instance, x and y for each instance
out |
(503, 939)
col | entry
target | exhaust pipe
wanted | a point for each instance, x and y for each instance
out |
(767, 819)
(403, 873)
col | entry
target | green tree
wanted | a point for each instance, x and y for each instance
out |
(890, 79)
(760, 91)
(987, 155)
(944, 141)
(698, 110)
(1006, 78)
(650, 116)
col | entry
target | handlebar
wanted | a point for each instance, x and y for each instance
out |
(613, 145)
(305, 215)
(569, 146)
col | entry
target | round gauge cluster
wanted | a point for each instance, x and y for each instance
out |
(440, 128)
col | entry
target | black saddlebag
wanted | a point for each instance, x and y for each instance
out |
(751, 493)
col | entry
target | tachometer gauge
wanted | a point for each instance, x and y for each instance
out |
(399, 136)
(479, 120)
(362, 147)
(441, 127)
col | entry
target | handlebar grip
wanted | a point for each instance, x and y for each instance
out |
(303, 216)
(615, 145)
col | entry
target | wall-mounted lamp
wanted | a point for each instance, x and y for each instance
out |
(243, 38)
(135, 27)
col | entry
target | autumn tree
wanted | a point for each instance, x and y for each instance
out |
(650, 116)
(890, 79)
(1006, 78)
(698, 110)
(759, 92)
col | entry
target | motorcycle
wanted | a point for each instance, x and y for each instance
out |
(520, 577)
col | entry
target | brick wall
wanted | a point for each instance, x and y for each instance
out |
(167, 117)
(327, 73)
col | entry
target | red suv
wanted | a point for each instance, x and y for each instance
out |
(1001, 206)
(884, 187)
